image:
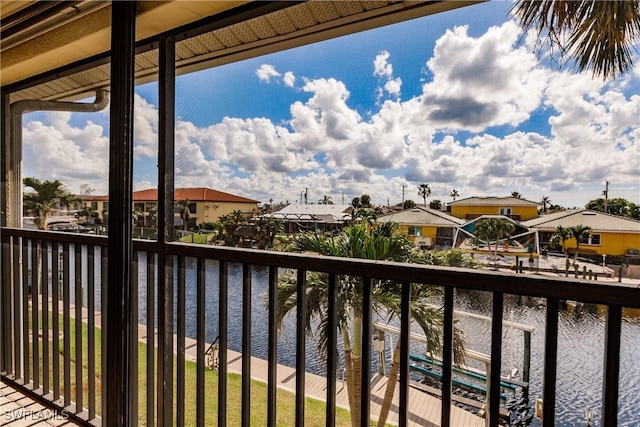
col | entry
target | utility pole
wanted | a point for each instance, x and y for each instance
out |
(606, 197)
(403, 187)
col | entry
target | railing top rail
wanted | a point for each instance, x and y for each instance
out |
(589, 291)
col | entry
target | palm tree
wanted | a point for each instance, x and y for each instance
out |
(381, 243)
(365, 201)
(493, 229)
(579, 232)
(424, 191)
(326, 200)
(46, 195)
(545, 201)
(561, 234)
(454, 194)
(516, 195)
(185, 213)
(597, 35)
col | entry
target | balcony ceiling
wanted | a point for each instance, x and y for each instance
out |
(38, 37)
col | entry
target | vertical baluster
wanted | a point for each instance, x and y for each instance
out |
(447, 356)
(246, 345)
(332, 356)
(301, 320)
(272, 373)
(550, 362)
(26, 339)
(611, 378)
(55, 318)
(181, 315)
(45, 316)
(104, 283)
(151, 321)
(200, 337)
(35, 321)
(17, 347)
(367, 284)
(91, 331)
(134, 388)
(223, 342)
(405, 322)
(493, 385)
(7, 307)
(77, 287)
(66, 324)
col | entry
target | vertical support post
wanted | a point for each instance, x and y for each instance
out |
(367, 312)
(611, 366)
(120, 248)
(166, 148)
(246, 345)
(301, 319)
(550, 363)
(493, 378)
(526, 358)
(405, 326)
(447, 356)
(223, 333)
(272, 378)
(332, 358)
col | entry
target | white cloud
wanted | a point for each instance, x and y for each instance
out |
(289, 79)
(381, 66)
(486, 86)
(482, 82)
(266, 71)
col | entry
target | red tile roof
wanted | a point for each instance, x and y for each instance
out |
(198, 194)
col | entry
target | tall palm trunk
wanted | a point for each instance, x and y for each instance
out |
(391, 386)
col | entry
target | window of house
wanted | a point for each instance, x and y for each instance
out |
(415, 231)
(192, 207)
(94, 205)
(505, 211)
(591, 239)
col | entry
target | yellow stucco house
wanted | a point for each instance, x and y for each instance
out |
(427, 228)
(512, 207)
(609, 235)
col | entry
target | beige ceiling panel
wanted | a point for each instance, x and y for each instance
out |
(262, 28)
(226, 37)
(324, 11)
(346, 8)
(243, 32)
(211, 42)
(281, 23)
(301, 16)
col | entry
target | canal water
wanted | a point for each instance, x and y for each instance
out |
(580, 342)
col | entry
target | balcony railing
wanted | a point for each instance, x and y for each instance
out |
(54, 337)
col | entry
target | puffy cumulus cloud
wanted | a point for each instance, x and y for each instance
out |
(75, 155)
(383, 69)
(145, 128)
(289, 79)
(266, 72)
(381, 66)
(482, 82)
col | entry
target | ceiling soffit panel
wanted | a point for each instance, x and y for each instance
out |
(293, 26)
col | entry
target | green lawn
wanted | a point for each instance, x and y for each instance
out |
(314, 409)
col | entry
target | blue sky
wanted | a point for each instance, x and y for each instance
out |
(458, 101)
